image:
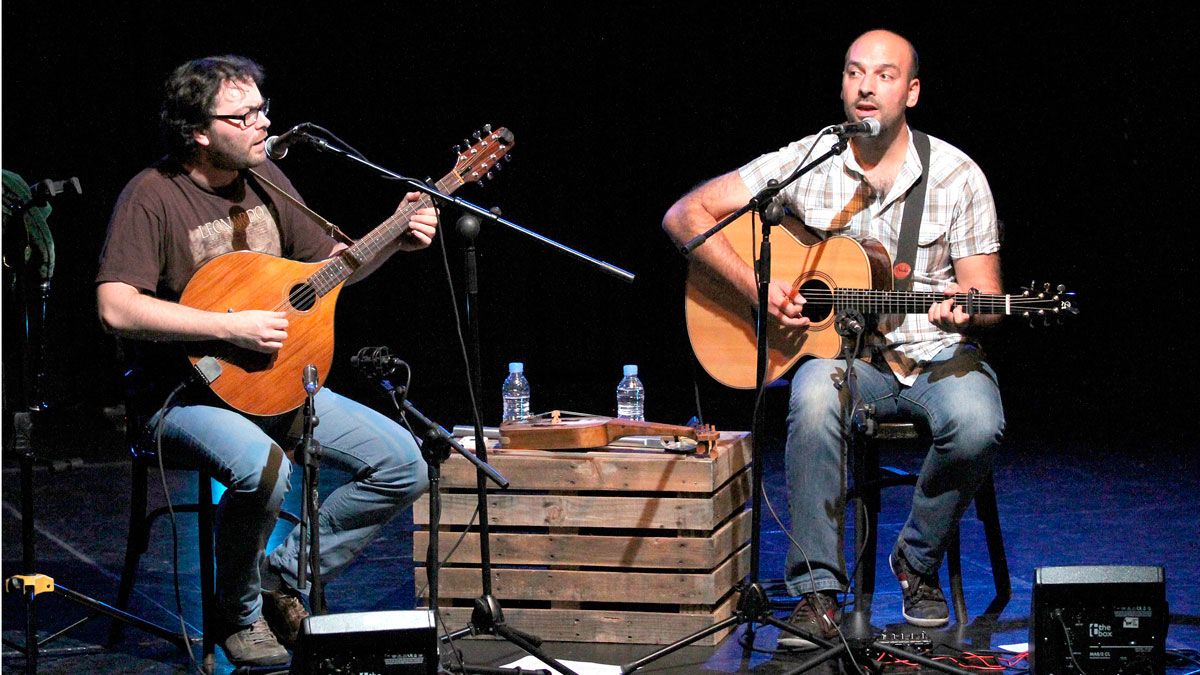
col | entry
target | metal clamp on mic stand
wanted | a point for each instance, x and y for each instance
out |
(308, 453)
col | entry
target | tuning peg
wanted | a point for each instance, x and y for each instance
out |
(475, 135)
(487, 128)
(489, 175)
(458, 149)
(466, 143)
(497, 167)
(508, 158)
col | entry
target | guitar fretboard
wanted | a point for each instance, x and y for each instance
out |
(911, 302)
(364, 250)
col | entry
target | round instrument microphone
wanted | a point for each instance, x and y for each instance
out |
(868, 127)
(277, 146)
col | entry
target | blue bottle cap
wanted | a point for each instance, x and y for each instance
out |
(516, 367)
(630, 370)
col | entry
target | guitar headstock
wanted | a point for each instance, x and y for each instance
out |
(1048, 303)
(479, 158)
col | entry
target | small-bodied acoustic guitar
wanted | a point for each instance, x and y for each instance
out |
(270, 384)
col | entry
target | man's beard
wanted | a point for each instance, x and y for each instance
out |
(229, 157)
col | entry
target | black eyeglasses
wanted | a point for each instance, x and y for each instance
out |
(247, 118)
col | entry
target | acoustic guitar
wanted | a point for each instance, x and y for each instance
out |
(270, 384)
(832, 274)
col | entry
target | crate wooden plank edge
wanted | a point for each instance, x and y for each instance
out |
(520, 548)
(705, 588)
(616, 469)
(558, 510)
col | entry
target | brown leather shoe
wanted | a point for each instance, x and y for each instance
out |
(284, 611)
(816, 615)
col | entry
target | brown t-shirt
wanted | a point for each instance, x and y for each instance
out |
(165, 226)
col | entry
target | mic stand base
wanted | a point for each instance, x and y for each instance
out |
(30, 584)
(753, 607)
(486, 618)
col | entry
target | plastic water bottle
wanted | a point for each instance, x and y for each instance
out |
(516, 394)
(631, 396)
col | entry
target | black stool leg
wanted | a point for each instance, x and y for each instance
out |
(866, 522)
(135, 544)
(954, 563)
(989, 515)
(204, 523)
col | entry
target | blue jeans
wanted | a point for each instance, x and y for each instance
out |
(244, 454)
(956, 395)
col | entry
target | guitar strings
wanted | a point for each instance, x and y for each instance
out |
(307, 292)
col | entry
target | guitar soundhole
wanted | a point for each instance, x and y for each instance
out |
(302, 297)
(818, 300)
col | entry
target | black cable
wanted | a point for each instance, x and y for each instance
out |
(344, 144)
(162, 474)
(462, 341)
(1057, 614)
(758, 401)
(438, 610)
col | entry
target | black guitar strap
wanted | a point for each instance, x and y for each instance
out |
(910, 223)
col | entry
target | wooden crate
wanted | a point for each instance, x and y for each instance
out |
(605, 545)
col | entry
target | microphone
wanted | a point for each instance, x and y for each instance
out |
(310, 379)
(277, 146)
(868, 127)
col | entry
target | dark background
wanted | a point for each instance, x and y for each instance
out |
(1076, 115)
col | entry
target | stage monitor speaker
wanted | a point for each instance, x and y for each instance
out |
(395, 642)
(1098, 619)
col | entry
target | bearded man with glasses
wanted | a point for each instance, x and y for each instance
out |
(198, 202)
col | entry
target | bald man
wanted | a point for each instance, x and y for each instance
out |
(926, 367)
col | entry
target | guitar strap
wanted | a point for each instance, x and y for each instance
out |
(333, 230)
(910, 222)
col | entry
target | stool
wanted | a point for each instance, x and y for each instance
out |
(144, 456)
(870, 477)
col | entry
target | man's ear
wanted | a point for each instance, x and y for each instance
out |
(201, 138)
(914, 93)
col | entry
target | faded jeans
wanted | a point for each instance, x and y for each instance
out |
(956, 395)
(244, 454)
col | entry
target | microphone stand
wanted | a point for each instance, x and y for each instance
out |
(855, 628)
(20, 433)
(448, 200)
(436, 444)
(753, 605)
(309, 451)
(487, 617)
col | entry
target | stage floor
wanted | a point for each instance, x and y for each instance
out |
(1061, 503)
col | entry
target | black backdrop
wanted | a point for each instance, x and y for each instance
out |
(1076, 115)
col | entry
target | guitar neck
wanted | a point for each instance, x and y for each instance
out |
(374, 242)
(911, 302)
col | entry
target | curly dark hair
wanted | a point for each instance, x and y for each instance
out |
(189, 94)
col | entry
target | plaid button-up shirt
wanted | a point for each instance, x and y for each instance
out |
(959, 220)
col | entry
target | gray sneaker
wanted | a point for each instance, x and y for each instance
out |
(255, 645)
